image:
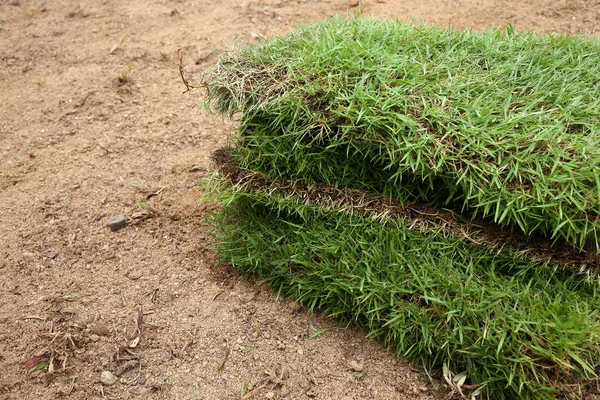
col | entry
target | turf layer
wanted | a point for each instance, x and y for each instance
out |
(522, 331)
(497, 124)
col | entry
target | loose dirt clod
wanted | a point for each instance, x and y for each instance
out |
(100, 330)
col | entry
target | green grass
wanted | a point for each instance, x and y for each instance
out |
(522, 330)
(497, 124)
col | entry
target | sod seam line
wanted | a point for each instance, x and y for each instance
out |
(417, 216)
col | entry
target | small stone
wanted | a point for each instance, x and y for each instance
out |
(294, 306)
(270, 395)
(94, 338)
(346, 398)
(117, 223)
(48, 254)
(300, 351)
(280, 346)
(284, 391)
(134, 275)
(266, 335)
(356, 366)
(107, 378)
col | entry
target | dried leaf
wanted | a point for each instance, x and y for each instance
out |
(460, 379)
(447, 374)
(135, 342)
(476, 392)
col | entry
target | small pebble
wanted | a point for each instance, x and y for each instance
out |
(270, 395)
(284, 391)
(117, 223)
(48, 254)
(107, 378)
(134, 275)
(356, 366)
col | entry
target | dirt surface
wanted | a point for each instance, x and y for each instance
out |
(93, 125)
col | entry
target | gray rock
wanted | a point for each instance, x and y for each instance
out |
(107, 378)
(117, 223)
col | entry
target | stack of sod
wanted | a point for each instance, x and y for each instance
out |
(342, 103)
(496, 124)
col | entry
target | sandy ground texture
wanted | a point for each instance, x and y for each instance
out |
(93, 124)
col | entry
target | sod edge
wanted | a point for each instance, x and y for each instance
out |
(417, 216)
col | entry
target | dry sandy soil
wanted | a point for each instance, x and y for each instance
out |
(93, 124)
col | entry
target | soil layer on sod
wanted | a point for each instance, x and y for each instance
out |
(496, 124)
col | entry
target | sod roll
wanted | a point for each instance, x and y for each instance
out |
(495, 124)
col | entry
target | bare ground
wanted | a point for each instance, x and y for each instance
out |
(93, 124)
